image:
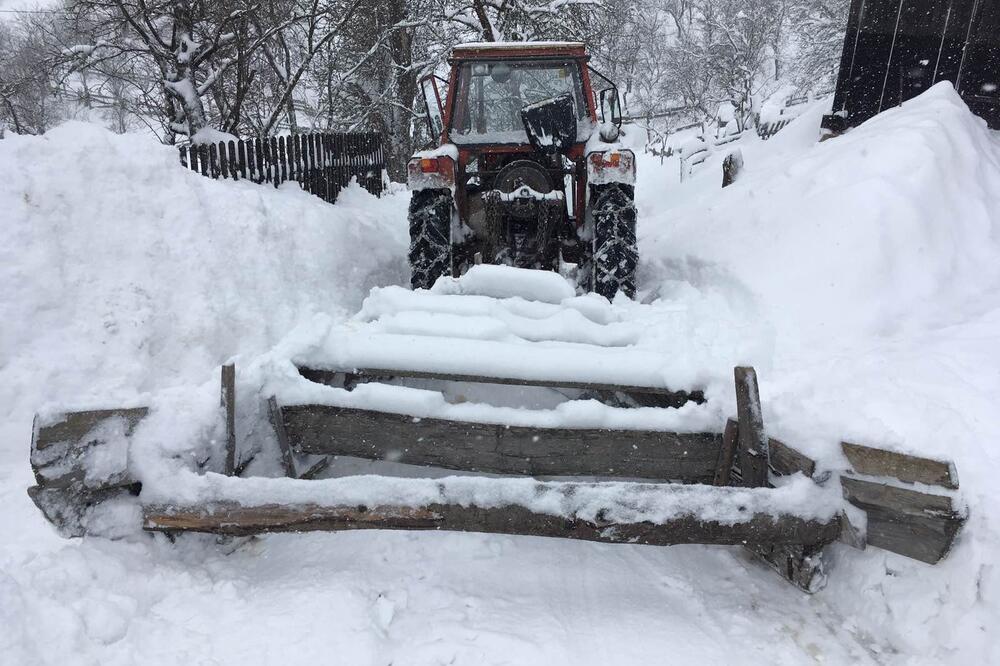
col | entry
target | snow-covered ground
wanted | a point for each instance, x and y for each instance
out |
(859, 276)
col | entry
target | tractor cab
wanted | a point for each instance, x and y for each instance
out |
(524, 133)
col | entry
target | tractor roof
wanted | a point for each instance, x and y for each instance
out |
(518, 49)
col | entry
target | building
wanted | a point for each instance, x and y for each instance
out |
(896, 49)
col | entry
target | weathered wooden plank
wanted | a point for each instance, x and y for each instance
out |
(241, 148)
(287, 456)
(879, 462)
(73, 426)
(260, 160)
(727, 453)
(801, 565)
(223, 160)
(60, 450)
(658, 396)
(498, 449)
(213, 158)
(66, 453)
(785, 460)
(234, 162)
(240, 520)
(918, 525)
(228, 402)
(752, 440)
(203, 159)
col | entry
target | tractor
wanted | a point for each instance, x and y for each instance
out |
(526, 170)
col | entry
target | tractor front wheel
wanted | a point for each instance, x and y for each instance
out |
(430, 236)
(616, 253)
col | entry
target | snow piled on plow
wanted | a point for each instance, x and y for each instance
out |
(859, 276)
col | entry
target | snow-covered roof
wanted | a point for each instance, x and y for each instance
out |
(513, 46)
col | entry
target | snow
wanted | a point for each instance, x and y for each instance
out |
(613, 502)
(212, 135)
(508, 282)
(573, 414)
(444, 150)
(858, 275)
(518, 45)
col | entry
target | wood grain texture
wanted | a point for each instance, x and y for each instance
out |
(75, 425)
(879, 462)
(60, 448)
(644, 395)
(497, 449)
(801, 565)
(752, 440)
(727, 454)
(284, 444)
(786, 461)
(228, 400)
(918, 525)
(61, 453)
(234, 519)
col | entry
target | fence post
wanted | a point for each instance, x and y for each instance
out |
(223, 161)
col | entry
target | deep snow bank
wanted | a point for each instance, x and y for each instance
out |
(122, 272)
(868, 269)
(893, 226)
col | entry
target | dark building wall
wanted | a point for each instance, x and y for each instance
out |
(896, 49)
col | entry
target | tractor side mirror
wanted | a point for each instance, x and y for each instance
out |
(608, 102)
(432, 102)
(611, 106)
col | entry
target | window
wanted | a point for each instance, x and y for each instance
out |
(491, 94)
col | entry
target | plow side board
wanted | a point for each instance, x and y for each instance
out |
(649, 396)
(236, 519)
(498, 449)
(915, 524)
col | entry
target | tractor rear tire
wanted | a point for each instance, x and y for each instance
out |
(430, 236)
(616, 253)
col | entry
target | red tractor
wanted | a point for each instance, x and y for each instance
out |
(528, 170)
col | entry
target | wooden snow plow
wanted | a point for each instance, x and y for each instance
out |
(706, 488)
(634, 475)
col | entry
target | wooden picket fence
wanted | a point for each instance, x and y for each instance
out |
(322, 163)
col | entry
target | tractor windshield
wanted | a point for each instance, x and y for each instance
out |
(491, 94)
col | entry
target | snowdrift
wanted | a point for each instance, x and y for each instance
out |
(867, 273)
(124, 273)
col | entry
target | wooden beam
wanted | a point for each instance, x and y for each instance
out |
(236, 519)
(754, 458)
(60, 447)
(73, 426)
(62, 452)
(727, 454)
(498, 449)
(786, 461)
(801, 565)
(918, 525)
(646, 395)
(287, 456)
(878, 462)
(228, 401)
